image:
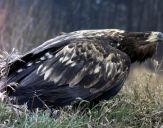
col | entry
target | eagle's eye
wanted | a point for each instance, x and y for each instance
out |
(146, 35)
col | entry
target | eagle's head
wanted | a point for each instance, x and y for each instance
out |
(139, 45)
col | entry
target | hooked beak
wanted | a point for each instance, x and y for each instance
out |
(160, 36)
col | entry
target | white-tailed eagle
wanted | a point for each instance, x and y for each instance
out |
(89, 65)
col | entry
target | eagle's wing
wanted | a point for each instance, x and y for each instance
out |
(88, 64)
(85, 69)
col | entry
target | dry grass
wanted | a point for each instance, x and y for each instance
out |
(138, 105)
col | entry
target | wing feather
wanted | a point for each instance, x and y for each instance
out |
(86, 68)
(88, 64)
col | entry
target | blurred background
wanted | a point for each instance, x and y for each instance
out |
(25, 24)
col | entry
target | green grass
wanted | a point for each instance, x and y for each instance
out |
(138, 105)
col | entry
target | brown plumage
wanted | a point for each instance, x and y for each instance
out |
(87, 65)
